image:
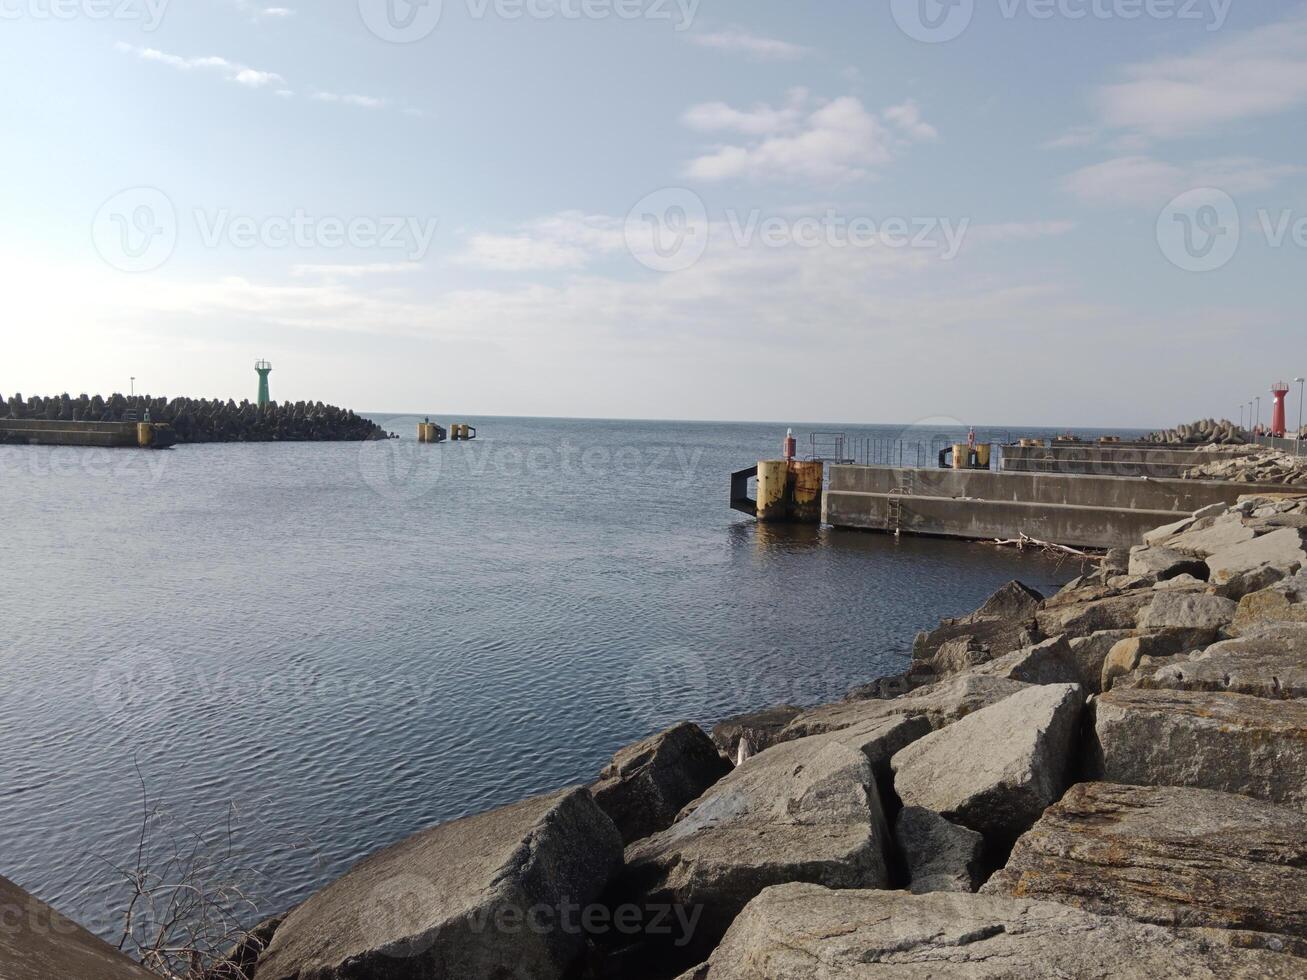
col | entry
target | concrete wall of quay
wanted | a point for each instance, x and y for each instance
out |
(1071, 509)
(1159, 463)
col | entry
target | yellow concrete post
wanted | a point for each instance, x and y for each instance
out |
(144, 435)
(808, 477)
(773, 474)
(961, 452)
(982, 455)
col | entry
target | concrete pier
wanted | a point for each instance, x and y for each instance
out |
(1102, 460)
(108, 435)
(1081, 511)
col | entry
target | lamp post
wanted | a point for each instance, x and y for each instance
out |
(1297, 436)
(1241, 416)
(133, 386)
(1259, 411)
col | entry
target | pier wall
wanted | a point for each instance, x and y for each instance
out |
(1121, 461)
(1077, 510)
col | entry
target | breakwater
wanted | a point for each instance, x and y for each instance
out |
(1124, 759)
(198, 420)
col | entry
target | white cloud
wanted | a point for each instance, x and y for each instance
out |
(361, 101)
(1259, 73)
(760, 48)
(230, 70)
(1148, 182)
(342, 271)
(568, 240)
(835, 140)
(907, 117)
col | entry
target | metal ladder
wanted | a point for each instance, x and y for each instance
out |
(894, 519)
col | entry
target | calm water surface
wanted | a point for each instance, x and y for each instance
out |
(352, 642)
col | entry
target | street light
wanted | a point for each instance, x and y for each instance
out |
(1297, 436)
(1259, 411)
(133, 386)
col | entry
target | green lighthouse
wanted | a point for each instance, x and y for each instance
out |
(264, 369)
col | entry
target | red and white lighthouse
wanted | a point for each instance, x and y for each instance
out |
(1278, 391)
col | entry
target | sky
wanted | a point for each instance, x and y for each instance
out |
(1054, 212)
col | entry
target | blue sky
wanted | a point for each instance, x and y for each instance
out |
(1006, 212)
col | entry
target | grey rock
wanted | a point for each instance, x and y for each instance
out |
(759, 727)
(644, 787)
(1170, 856)
(1089, 653)
(939, 704)
(1164, 563)
(1128, 654)
(1283, 602)
(1181, 583)
(1235, 743)
(1116, 561)
(806, 810)
(996, 770)
(1014, 601)
(1268, 663)
(1200, 615)
(802, 932)
(1115, 612)
(452, 901)
(1254, 580)
(941, 856)
(37, 943)
(1050, 662)
(1225, 532)
(1282, 547)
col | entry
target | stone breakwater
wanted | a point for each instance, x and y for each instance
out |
(1109, 781)
(1202, 432)
(204, 420)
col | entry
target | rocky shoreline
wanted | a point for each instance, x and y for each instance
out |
(1109, 781)
(196, 420)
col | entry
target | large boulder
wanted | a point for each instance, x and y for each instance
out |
(37, 943)
(802, 932)
(1170, 856)
(1164, 563)
(758, 728)
(940, 704)
(1269, 663)
(485, 896)
(1282, 547)
(1209, 536)
(1234, 743)
(1005, 622)
(644, 787)
(996, 770)
(1116, 612)
(807, 810)
(1090, 651)
(1049, 662)
(1284, 601)
(1199, 617)
(941, 856)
